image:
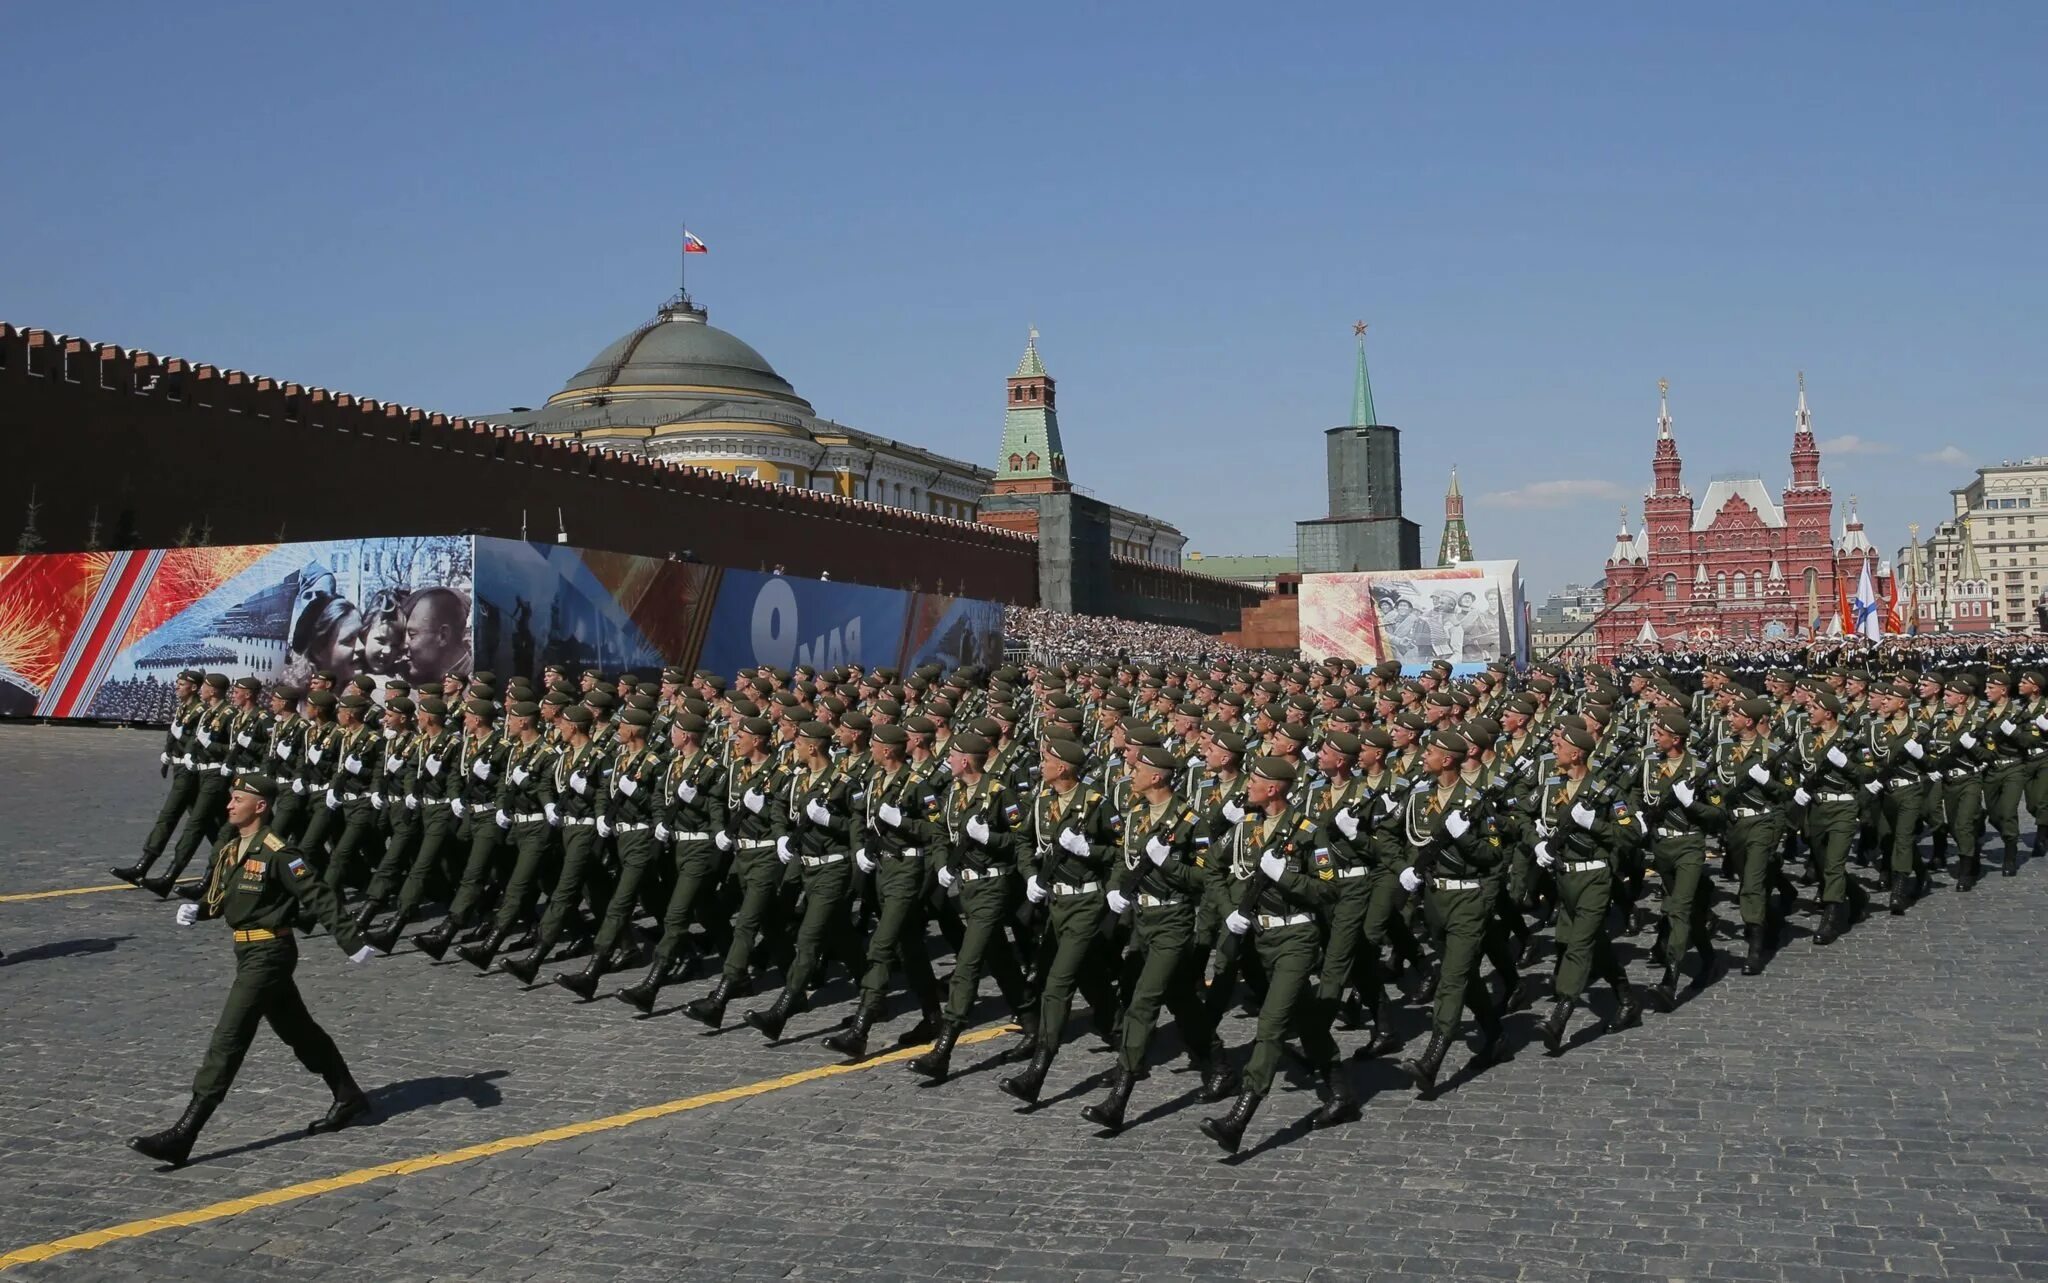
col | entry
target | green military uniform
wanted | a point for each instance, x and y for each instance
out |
(1591, 828)
(815, 834)
(755, 790)
(692, 792)
(1679, 801)
(211, 741)
(175, 759)
(1833, 768)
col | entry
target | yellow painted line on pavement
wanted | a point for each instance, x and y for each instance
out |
(428, 1162)
(19, 896)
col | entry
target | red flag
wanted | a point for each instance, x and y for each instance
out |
(1891, 607)
(1843, 610)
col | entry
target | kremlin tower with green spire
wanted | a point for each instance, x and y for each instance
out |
(1364, 529)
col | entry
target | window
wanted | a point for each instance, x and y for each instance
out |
(1741, 586)
(1756, 579)
(1016, 463)
(1671, 588)
(747, 471)
(1721, 585)
(1031, 460)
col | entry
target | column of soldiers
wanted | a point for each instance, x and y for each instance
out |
(1326, 842)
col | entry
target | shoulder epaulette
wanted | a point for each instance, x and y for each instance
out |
(272, 842)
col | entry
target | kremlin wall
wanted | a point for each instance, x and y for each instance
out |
(127, 449)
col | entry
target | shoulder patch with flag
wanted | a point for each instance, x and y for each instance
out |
(298, 867)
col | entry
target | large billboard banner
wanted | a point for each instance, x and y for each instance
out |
(784, 622)
(1468, 615)
(539, 604)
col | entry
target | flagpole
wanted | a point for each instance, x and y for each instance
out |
(683, 277)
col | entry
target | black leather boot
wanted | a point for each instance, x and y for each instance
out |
(1383, 1038)
(1753, 951)
(1554, 1025)
(1220, 1077)
(1664, 994)
(1832, 918)
(479, 955)
(1108, 1113)
(1228, 1131)
(2011, 867)
(527, 970)
(435, 943)
(1427, 994)
(1535, 951)
(710, 1009)
(133, 874)
(581, 983)
(1027, 1038)
(368, 914)
(1629, 1013)
(161, 887)
(926, 1028)
(1493, 1047)
(852, 1041)
(935, 1063)
(1423, 1069)
(770, 1022)
(385, 938)
(349, 1105)
(173, 1144)
(640, 997)
(1025, 1086)
(193, 890)
(1340, 1106)
(1902, 896)
(1966, 872)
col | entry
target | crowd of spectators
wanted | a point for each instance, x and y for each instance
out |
(134, 700)
(1053, 635)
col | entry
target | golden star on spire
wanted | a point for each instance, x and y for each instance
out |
(1358, 328)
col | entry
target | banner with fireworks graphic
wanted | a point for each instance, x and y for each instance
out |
(105, 634)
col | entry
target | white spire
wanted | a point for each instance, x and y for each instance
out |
(1777, 571)
(1624, 544)
(1699, 574)
(1663, 410)
(1802, 417)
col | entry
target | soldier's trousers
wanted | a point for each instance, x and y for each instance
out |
(760, 879)
(1963, 801)
(582, 876)
(1385, 927)
(641, 854)
(486, 839)
(1934, 817)
(358, 828)
(2004, 784)
(827, 924)
(439, 832)
(1165, 978)
(1681, 865)
(264, 990)
(984, 907)
(288, 813)
(1231, 956)
(898, 938)
(2036, 795)
(1288, 955)
(534, 840)
(1585, 952)
(1751, 845)
(399, 850)
(1830, 828)
(1901, 806)
(177, 802)
(1072, 954)
(208, 813)
(1348, 957)
(1460, 919)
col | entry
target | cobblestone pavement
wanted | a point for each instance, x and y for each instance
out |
(1876, 1107)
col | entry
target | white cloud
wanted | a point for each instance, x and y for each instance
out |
(1850, 443)
(1557, 494)
(1951, 455)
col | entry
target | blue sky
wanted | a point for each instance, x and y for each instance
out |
(1540, 209)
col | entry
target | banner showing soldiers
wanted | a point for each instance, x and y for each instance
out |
(1467, 615)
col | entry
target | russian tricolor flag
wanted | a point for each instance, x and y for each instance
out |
(693, 245)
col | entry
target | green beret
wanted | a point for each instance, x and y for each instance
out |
(1071, 751)
(857, 721)
(689, 724)
(919, 725)
(433, 706)
(577, 715)
(1231, 742)
(402, 705)
(261, 785)
(1143, 735)
(891, 734)
(248, 684)
(481, 707)
(812, 730)
(322, 699)
(1481, 730)
(760, 726)
(969, 743)
(636, 717)
(1374, 737)
(219, 681)
(1675, 721)
(1344, 742)
(1576, 736)
(1411, 721)
(1296, 731)
(288, 693)
(1159, 757)
(1278, 769)
(399, 684)
(1451, 742)
(1522, 704)
(484, 675)
(1828, 700)
(355, 701)
(192, 675)
(1998, 677)
(1387, 670)
(1755, 709)
(524, 708)
(601, 701)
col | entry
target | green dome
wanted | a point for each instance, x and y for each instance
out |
(679, 349)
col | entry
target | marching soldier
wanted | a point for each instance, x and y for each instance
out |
(175, 762)
(690, 795)
(211, 740)
(1585, 828)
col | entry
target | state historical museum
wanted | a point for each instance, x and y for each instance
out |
(1740, 565)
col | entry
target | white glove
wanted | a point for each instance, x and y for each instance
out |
(817, 811)
(1583, 815)
(1410, 880)
(314, 755)
(1157, 851)
(1272, 866)
(433, 765)
(1232, 811)
(554, 819)
(861, 860)
(178, 732)
(455, 805)
(1390, 803)
(362, 955)
(628, 785)
(376, 801)
(977, 828)
(391, 762)
(604, 827)
(783, 851)
(1759, 774)
(1544, 859)
(354, 765)
(245, 738)
(1237, 924)
(284, 751)
(1033, 891)
(519, 775)
(686, 792)
(187, 914)
(299, 787)
(1837, 756)
(333, 800)
(1456, 824)
(1873, 788)
(1347, 823)
(946, 877)
(660, 832)
(1071, 841)
(722, 840)
(2007, 727)
(2041, 722)
(412, 802)
(754, 801)
(205, 740)
(504, 819)
(890, 814)
(581, 783)
(1119, 903)
(482, 769)
(1968, 740)
(1801, 796)
(1913, 750)
(1683, 792)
